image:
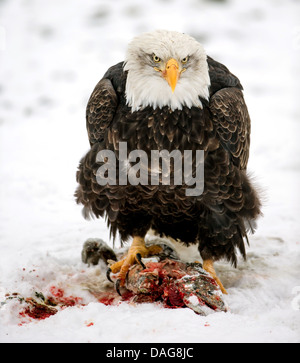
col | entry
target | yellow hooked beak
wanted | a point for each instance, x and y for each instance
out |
(171, 73)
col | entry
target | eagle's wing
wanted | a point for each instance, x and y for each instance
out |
(100, 110)
(232, 124)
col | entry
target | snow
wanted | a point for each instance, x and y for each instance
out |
(51, 55)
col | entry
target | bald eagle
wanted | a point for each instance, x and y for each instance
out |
(169, 95)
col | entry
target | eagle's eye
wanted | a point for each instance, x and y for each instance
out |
(156, 58)
(184, 60)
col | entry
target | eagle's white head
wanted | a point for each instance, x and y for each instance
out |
(166, 68)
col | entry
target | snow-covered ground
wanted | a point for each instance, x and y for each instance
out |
(52, 53)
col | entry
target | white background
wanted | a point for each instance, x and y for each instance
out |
(52, 53)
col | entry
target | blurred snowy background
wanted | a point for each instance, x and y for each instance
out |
(52, 53)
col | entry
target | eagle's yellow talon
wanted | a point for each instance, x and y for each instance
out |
(208, 267)
(154, 250)
(138, 247)
(116, 267)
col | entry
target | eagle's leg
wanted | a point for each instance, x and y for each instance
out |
(136, 251)
(208, 266)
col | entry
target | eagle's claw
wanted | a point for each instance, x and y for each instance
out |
(117, 283)
(134, 255)
(138, 257)
(108, 272)
(117, 286)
